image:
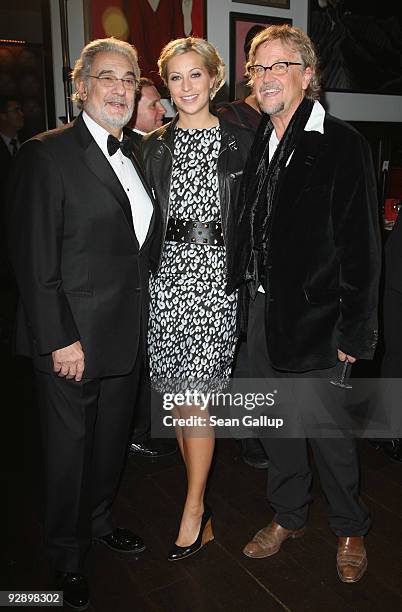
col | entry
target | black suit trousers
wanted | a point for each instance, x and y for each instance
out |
(290, 476)
(146, 402)
(85, 427)
(142, 418)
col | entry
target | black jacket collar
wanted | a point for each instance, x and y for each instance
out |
(229, 130)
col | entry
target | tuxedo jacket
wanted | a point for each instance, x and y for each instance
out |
(323, 250)
(79, 268)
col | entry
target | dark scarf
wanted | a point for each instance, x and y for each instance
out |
(267, 177)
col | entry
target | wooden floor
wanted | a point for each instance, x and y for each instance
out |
(301, 577)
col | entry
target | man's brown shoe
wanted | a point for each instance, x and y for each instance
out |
(351, 560)
(268, 541)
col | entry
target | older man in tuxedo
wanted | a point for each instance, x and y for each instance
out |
(81, 227)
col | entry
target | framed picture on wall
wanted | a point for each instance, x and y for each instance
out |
(272, 3)
(243, 27)
(359, 44)
(147, 24)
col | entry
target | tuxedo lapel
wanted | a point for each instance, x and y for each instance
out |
(98, 164)
(141, 175)
(151, 225)
(147, 188)
(96, 161)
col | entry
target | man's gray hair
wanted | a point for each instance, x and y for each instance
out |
(297, 40)
(83, 65)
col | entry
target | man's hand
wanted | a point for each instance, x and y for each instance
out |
(343, 356)
(69, 361)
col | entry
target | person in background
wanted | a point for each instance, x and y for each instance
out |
(147, 116)
(309, 183)
(148, 111)
(11, 123)
(81, 223)
(193, 164)
(244, 111)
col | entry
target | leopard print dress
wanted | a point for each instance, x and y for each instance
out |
(192, 326)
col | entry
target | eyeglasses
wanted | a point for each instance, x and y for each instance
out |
(111, 81)
(16, 109)
(257, 71)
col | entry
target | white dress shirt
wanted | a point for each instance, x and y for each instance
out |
(315, 123)
(141, 206)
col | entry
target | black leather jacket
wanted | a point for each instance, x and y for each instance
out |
(157, 154)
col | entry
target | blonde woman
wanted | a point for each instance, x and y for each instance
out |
(194, 164)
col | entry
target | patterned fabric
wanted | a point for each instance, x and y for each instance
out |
(192, 320)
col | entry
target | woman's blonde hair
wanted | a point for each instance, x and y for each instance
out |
(211, 58)
(297, 40)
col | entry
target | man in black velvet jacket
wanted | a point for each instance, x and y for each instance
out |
(307, 244)
(81, 226)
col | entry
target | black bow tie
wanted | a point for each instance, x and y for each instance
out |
(113, 145)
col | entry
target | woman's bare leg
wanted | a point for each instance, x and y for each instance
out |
(198, 448)
(179, 432)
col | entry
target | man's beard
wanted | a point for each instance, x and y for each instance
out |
(278, 108)
(114, 121)
(269, 107)
(117, 122)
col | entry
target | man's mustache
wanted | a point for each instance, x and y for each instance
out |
(269, 87)
(117, 100)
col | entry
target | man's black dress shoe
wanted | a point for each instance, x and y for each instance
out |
(75, 589)
(122, 540)
(205, 535)
(153, 449)
(253, 453)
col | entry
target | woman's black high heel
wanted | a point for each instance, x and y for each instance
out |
(205, 535)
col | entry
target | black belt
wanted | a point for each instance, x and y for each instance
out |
(195, 232)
